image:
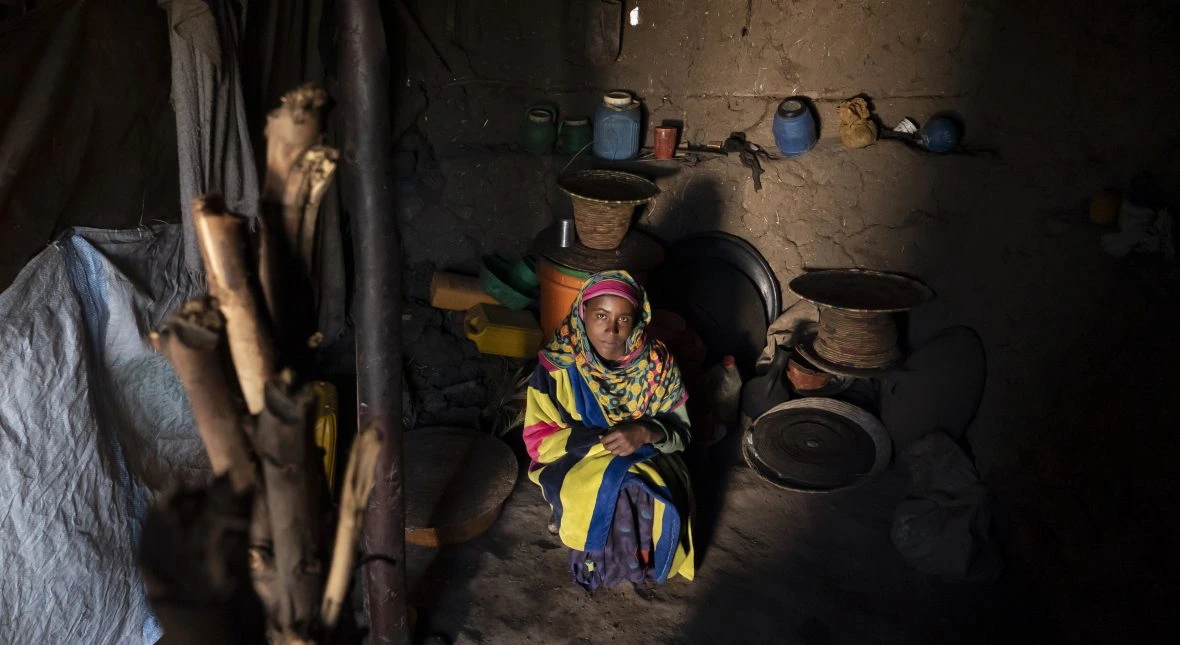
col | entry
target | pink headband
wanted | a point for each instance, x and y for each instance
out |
(611, 288)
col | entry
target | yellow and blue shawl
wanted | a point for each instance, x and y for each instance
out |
(573, 398)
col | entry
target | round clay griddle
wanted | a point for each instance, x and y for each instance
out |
(816, 445)
(638, 252)
(456, 482)
(860, 290)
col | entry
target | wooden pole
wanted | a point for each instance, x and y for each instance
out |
(368, 198)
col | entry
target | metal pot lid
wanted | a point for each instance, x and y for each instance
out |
(718, 300)
(861, 290)
(817, 445)
(739, 253)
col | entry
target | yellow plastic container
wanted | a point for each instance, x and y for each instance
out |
(502, 331)
(1104, 208)
(457, 292)
(325, 425)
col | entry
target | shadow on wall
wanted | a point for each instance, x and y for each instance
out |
(1068, 373)
(1078, 355)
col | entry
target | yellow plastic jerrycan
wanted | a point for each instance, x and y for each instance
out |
(502, 331)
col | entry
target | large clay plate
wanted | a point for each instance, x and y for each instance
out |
(939, 388)
(456, 482)
(817, 444)
(638, 253)
(860, 290)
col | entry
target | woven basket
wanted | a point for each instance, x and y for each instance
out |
(604, 201)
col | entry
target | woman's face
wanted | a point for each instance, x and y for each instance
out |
(609, 321)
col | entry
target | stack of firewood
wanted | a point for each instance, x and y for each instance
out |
(242, 353)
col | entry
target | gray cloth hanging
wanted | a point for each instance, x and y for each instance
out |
(212, 137)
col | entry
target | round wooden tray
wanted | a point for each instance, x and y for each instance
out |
(456, 482)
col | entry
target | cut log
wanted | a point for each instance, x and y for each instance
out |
(298, 173)
(192, 341)
(294, 486)
(290, 129)
(223, 243)
(358, 483)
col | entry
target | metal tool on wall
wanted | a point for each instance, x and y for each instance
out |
(750, 153)
(691, 153)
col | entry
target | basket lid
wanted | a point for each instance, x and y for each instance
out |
(861, 290)
(608, 187)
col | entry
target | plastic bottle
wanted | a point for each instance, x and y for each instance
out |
(766, 390)
(539, 131)
(725, 389)
(616, 127)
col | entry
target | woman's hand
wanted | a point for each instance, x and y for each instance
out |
(626, 438)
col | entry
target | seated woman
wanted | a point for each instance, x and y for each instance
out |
(604, 420)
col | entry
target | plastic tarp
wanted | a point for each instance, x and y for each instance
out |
(93, 424)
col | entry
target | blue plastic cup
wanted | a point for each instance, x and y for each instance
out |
(794, 127)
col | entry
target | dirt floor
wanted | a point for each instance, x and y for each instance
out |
(775, 567)
(1061, 100)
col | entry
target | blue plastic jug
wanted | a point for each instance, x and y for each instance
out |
(794, 127)
(616, 127)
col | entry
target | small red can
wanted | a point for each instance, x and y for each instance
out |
(665, 137)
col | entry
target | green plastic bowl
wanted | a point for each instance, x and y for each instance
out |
(514, 284)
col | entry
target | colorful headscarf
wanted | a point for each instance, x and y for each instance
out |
(645, 382)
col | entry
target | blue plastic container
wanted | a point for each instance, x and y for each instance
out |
(794, 127)
(616, 127)
(941, 134)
